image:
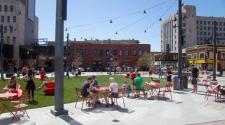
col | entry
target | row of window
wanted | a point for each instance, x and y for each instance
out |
(8, 19)
(9, 39)
(201, 42)
(7, 29)
(209, 28)
(210, 22)
(6, 8)
(102, 52)
(209, 34)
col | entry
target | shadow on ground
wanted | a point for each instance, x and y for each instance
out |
(69, 120)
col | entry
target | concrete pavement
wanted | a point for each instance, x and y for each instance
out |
(185, 108)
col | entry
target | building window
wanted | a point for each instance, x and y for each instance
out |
(195, 56)
(0, 8)
(120, 52)
(125, 52)
(2, 19)
(8, 19)
(11, 29)
(200, 22)
(202, 55)
(5, 8)
(5, 29)
(14, 19)
(101, 52)
(140, 52)
(114, 52)
(8, 39)
(11, 8)
(208, 22)
(14, 39)
(134, 53)
(222, 56)
(208, 28)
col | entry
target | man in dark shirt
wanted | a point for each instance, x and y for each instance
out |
(95, 82)
(195, 73)
(86, 86)
(88, 90)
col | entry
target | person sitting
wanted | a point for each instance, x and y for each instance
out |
(88, 90)
(44, 81)
(13, 86)
(127, 88)
(113, 88)
(138, 84)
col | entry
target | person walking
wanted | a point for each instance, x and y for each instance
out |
(195, 74)
(30, 86)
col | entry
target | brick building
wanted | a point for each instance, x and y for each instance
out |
(100, 55)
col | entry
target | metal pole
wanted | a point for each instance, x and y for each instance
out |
(1, 54)
(214, 51)
(180, 42)
(67, 52)
(110, 58)
(59, 69)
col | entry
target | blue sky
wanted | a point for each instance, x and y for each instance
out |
(90, 19)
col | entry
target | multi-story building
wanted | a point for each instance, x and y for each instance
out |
(99, 55)
(197, 30)
(20, 27)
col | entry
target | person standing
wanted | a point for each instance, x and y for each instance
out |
(30, 86)
(169, 76)
(138, 84)
(195, 74)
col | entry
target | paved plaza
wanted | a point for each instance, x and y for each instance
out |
(185, 108)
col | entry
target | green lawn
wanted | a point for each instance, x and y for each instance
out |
(69, 85)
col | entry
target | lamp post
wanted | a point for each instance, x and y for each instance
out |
(180, 41)
(214, 50)
(59, 54)
(1, 53)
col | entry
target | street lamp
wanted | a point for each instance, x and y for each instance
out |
(214, 50)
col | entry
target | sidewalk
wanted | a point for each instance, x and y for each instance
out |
(185, 108)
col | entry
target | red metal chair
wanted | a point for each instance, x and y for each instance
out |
(20, 106)
(211, 90)
(79, 96)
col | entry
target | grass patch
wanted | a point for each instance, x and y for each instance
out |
(69, 85)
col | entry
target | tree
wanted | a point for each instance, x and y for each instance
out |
(77, 61)
(146, 60)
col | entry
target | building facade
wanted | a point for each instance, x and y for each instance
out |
(197, 30)
(202, 56)
(100, 55)
(17, 17)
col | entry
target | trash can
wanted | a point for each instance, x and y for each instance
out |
(176, 85)
(184, 82)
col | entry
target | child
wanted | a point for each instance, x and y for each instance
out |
(127, 88)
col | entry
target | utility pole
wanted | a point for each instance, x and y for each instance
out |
(1, 54)
(59, 59)
(214, 50)
(180, 35)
